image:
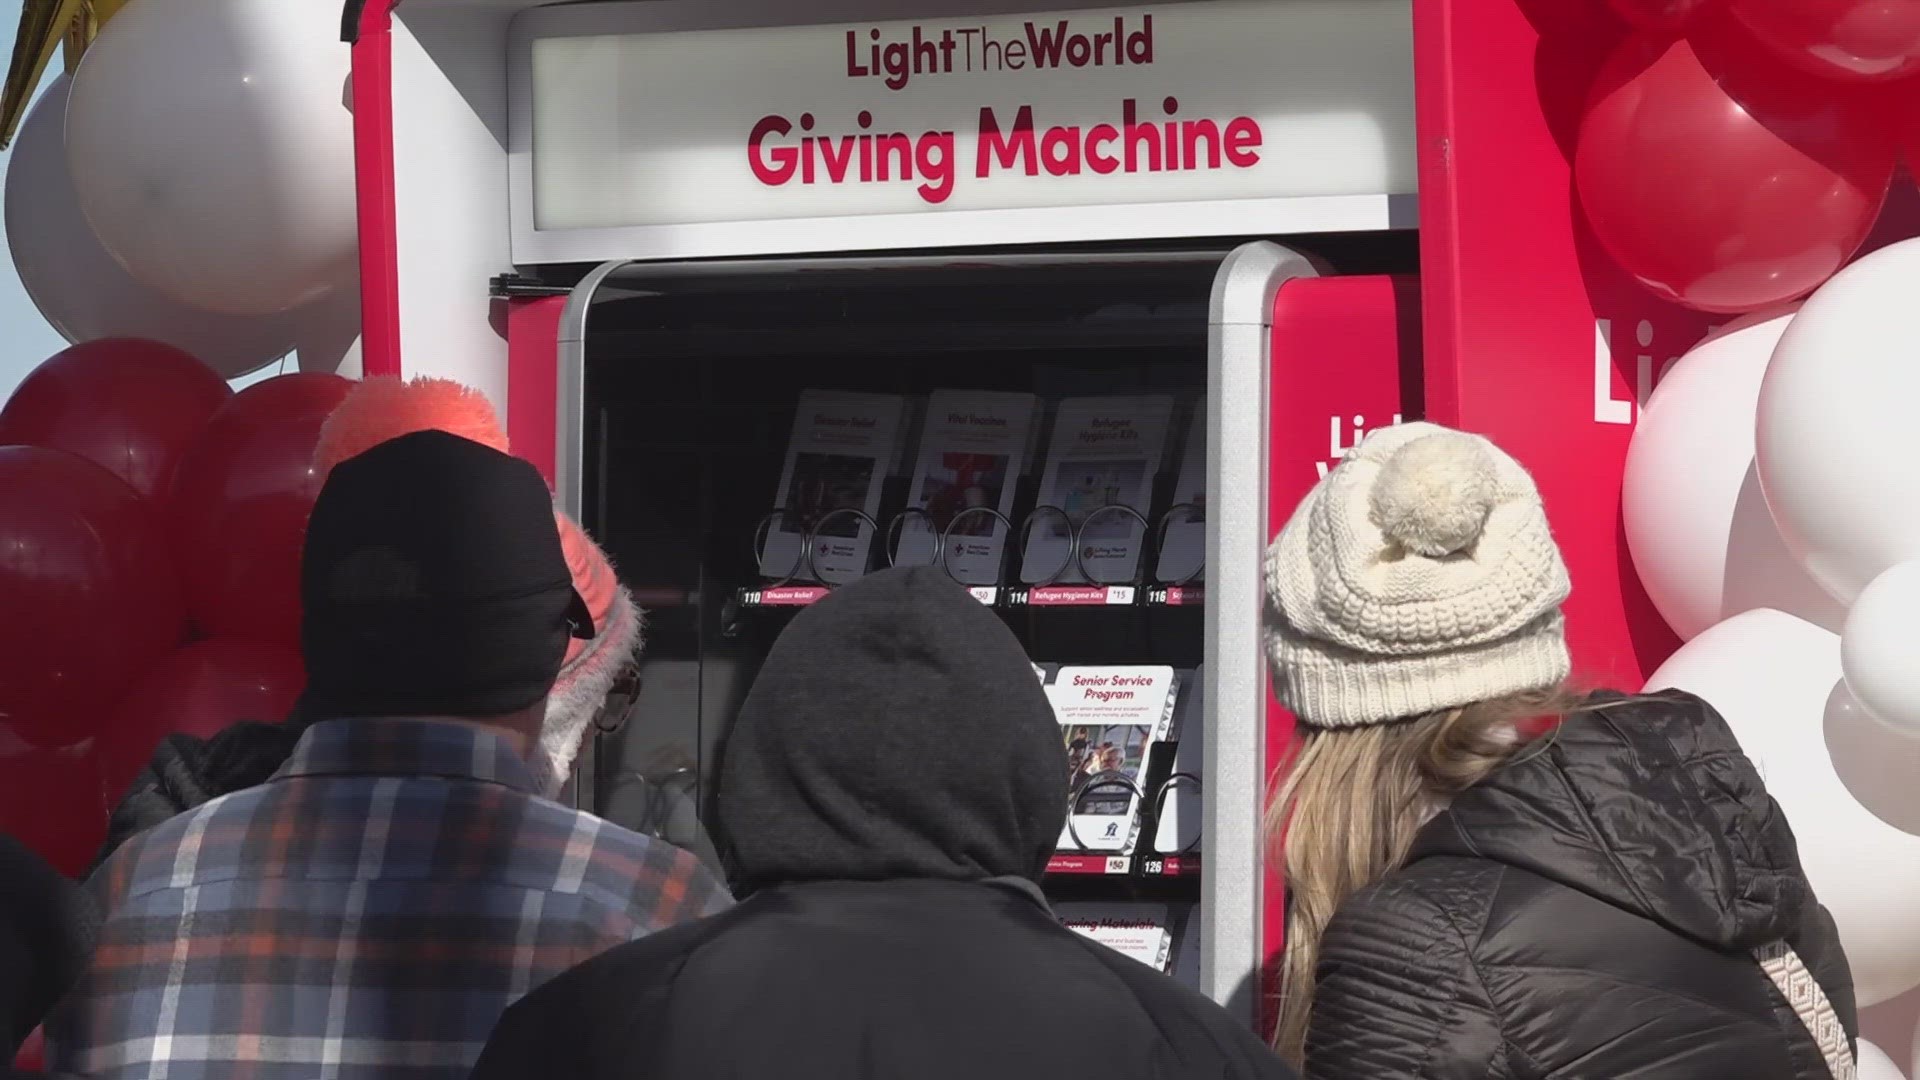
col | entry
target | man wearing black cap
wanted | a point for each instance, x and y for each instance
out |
(372, 909)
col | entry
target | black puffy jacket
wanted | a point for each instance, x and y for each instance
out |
(185, 771)
(1588, 913)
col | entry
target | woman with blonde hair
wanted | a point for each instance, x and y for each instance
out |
(1471, 898)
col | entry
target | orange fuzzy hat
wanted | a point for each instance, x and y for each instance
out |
(379, 409)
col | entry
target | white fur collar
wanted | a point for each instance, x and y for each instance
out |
(580, 691)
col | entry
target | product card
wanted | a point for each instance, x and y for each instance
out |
(1105, 453)
(1185, 963)
(1180, 806)
(1183, 543)
(1141, 931)
(973, 452)
(842, 449)
(1110, 717)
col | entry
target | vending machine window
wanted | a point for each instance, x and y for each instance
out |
(1079, 439)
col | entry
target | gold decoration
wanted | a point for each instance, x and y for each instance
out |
(44, 25)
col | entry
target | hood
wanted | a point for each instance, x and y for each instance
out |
(1649, 804)
(896, 730)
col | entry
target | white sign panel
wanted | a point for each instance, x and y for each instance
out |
(1226, 102)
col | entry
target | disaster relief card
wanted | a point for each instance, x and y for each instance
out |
(1178, 831)
(1110, 718)
(973, 451)
(1183, 541)
(843, 447)
(1105, 452)
(1137, 929)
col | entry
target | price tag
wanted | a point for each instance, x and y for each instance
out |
(1119, 594)
(984, 593)
(1116, 864)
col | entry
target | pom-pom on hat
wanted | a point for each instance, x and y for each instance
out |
(379, 409)
(1419, 575)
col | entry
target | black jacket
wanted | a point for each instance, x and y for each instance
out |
(47, 930)
(888, 798)
(186, 770)
(1588, 913)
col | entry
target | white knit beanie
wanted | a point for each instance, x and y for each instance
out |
(1419, 575)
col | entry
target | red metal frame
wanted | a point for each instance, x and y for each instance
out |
(1514, 289)
(369, 27)
(533, 378)
(1344, 349)
(1433, 106)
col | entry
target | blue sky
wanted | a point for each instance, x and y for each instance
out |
(25, 337)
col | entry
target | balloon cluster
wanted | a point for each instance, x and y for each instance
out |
(1772, 508)
(191, 182)
(1733, 157)
(150, 531)
(1734, 154)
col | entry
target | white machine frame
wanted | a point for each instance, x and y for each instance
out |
(1233, 793)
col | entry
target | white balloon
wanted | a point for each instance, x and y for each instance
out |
(1879, 646)
(329, 334)
(1702, 540)
(1872, 1063)
(332, 358)
(1876, 763)
(1837, 437)
(212, 150)
(1774, 677)
(78, 287)
(1914, 1053)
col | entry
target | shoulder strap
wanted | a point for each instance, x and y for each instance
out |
(1810, 1004)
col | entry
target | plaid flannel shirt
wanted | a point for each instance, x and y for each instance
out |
(368, 912)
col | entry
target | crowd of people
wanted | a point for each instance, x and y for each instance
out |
(1490, 874)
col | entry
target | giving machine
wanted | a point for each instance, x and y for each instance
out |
(1070, 305)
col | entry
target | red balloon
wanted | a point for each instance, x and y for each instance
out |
(53, 802)
(1722, 182)
(32, 1057)
(130, 406)
(198, 690)
(1861, 40)
(1656, 14)
(239, 507)
(1909, 137)
(88, 593)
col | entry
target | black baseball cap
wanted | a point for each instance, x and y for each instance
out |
(433, 583)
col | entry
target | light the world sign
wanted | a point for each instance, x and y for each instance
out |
(1207, 102)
